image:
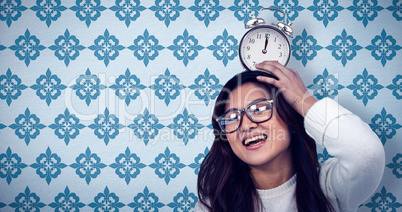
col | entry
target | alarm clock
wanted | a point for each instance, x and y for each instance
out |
(265, 42)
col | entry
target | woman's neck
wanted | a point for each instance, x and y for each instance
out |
(274, 173)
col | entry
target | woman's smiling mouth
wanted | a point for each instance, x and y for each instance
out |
(254, 140)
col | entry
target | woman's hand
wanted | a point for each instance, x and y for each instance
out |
(290, 84)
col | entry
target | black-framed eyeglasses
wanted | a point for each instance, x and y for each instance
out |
(258, 111)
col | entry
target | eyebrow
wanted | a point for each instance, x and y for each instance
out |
(254, 101)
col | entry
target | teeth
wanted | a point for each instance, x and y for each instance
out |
(255, 138)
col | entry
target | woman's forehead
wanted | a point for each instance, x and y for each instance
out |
(243, 95)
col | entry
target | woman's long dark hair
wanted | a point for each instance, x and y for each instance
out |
(225, 182)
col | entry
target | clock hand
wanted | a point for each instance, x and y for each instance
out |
(264, 51)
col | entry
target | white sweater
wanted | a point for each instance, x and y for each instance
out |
(351, 176)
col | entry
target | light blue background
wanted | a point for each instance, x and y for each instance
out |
(378, 105)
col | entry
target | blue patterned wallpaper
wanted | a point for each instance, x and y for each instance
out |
(106, 105)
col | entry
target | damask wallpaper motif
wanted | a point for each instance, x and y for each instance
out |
(106, 105)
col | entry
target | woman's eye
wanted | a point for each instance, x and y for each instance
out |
(259, 109)
(231, 118)
(234, 118)
(262, 108)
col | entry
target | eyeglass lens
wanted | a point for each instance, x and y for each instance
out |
(257, 112)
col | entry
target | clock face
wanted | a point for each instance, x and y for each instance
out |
(263, 43)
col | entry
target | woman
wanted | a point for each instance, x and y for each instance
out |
(264, 155)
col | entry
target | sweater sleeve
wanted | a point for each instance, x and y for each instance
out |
(356, 170)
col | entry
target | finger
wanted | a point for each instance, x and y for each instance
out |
(293, 70)
(267, 66)
(276, 64)
(288, 73)
(294, 75)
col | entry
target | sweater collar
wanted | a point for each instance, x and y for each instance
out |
(287, 187)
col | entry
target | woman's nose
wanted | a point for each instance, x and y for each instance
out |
(246, 124)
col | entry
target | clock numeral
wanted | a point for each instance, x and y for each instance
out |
(248, 48)
(259, 36)
(251, 41)
(254, 63)
(275, 39)
(248, 57)
(280, 46)
(280, 54)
